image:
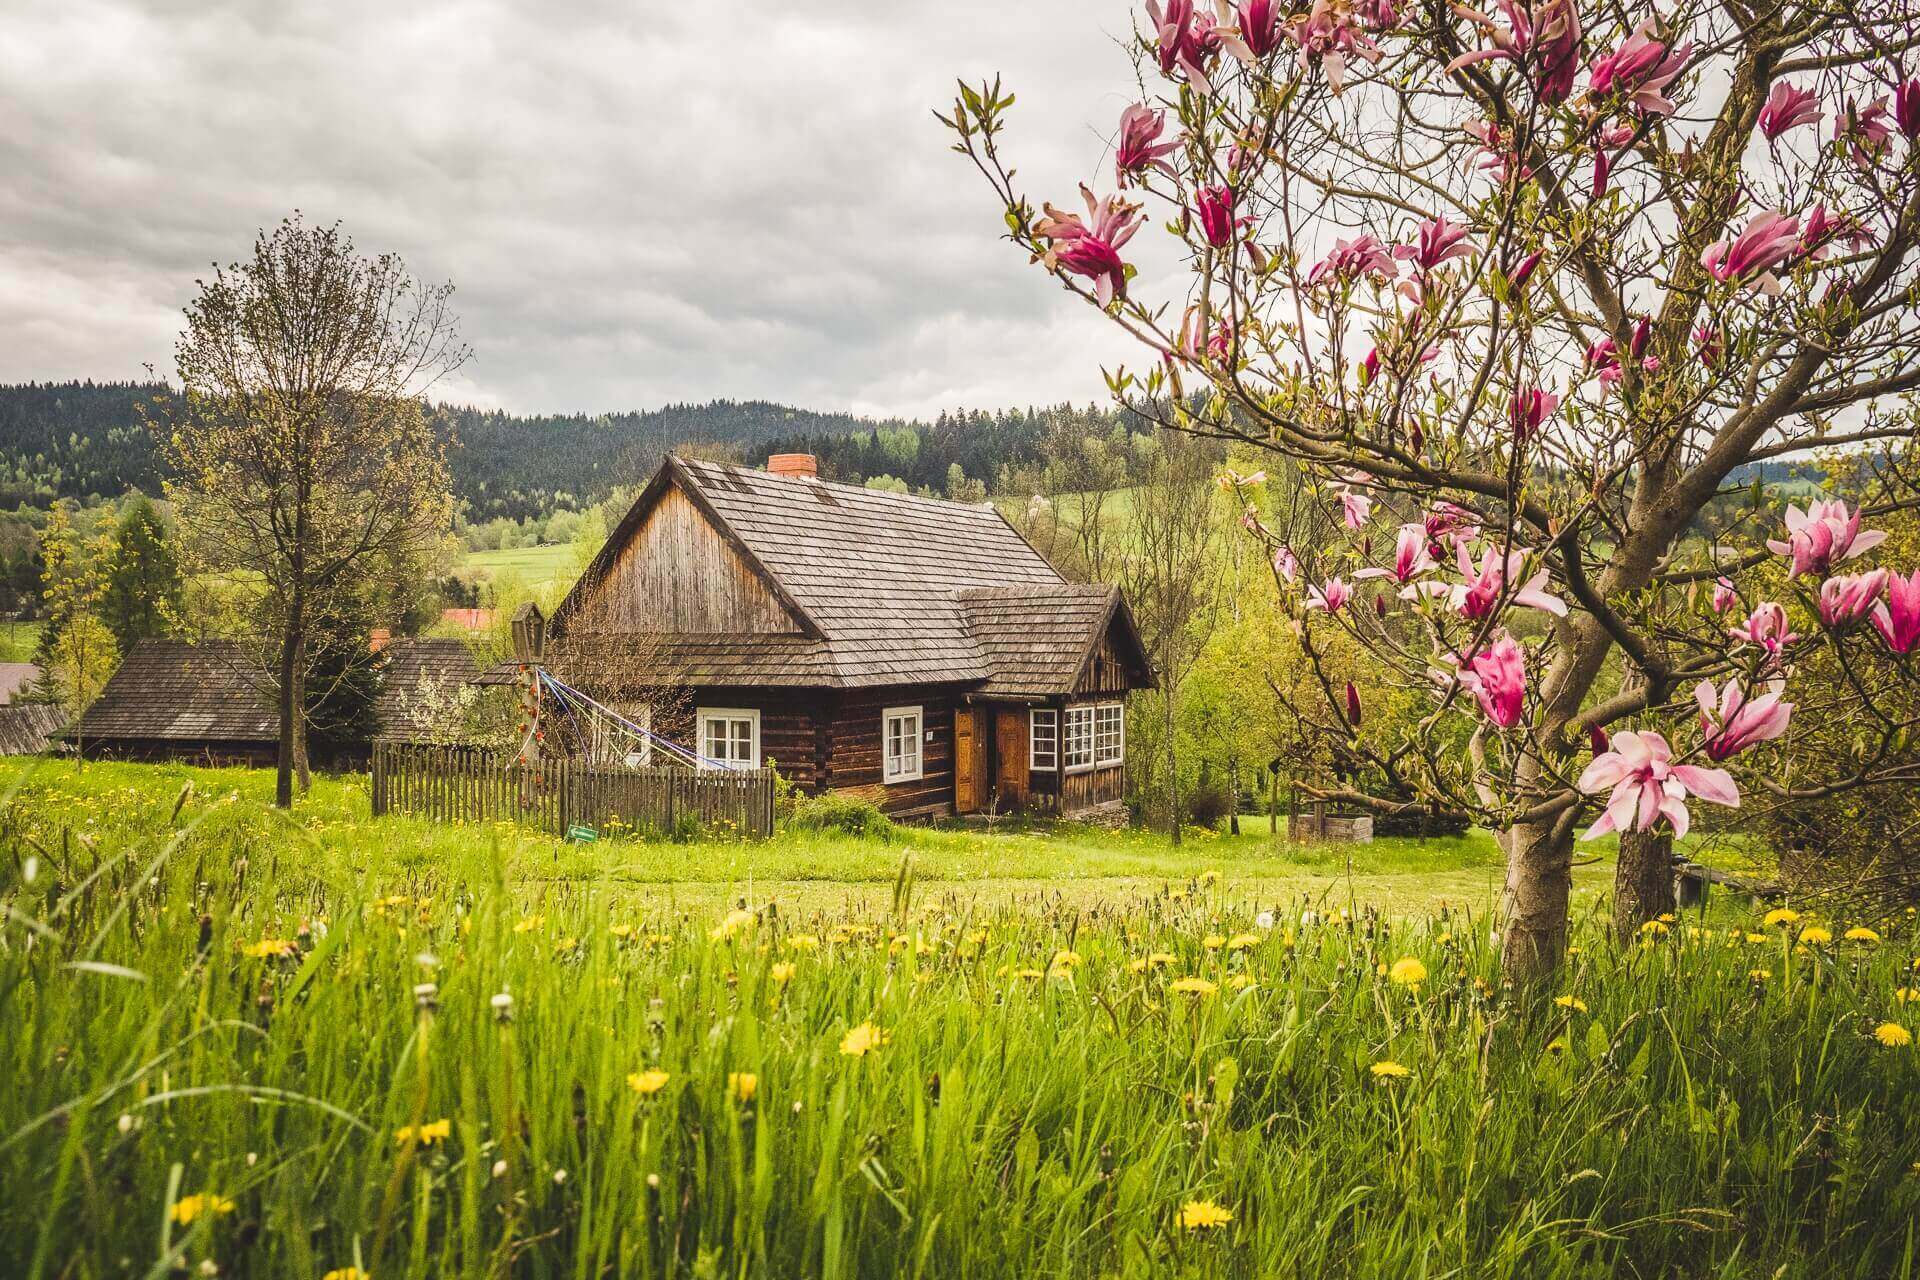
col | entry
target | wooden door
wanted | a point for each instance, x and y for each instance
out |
(966, 749)
(1011, 739)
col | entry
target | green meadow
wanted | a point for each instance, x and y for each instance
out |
(251, 1044)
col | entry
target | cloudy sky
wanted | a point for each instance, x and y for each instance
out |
(639, 202)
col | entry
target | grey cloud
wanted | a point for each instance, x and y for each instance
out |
(638, 203)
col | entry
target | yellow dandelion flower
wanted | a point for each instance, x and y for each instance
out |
(1204, 1215)
(624, 932)
(1240, 981)
(862, 1040)
(1244, 941)
(1859, 933)
(1893, 1035)
(1138, 965)
(1781, 916)
(1906, 995)
(1388, 1069)
(1665, 917)
(1759, 975)
(1815, 936)
(346, 1273)
(1194, 986)
(1574, 1003)
(733, 922)
(527, 924)
(1557, 1045)
(743, 1085)
(1214, 941)
(782, 972)
(649, 1082)
(1064, 959)
(1209, 877)
(426, 1135)
(1407, 971)
(1161, 959)
(271, 949)
(189, 1209)
(803, 942)
(1756, 937)
(1655, 928)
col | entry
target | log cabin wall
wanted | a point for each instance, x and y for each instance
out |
(790, 724)
(1105, 673)
(680, 574)
(855, 765)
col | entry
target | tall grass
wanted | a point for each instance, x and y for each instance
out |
(1046, 1099)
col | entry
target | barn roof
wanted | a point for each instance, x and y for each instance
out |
(27, 728)
(215, 691)
(877, 583)
(1037, 639)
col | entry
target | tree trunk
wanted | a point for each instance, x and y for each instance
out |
(1173, 769)
(1539, 885)
(302, 772)
(1642, 880)
(290, 711)
(1233, 790)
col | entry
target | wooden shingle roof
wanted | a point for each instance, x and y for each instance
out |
(215, 691)
(873, 578)
(1037, 638)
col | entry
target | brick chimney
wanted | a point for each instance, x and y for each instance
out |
(798, 466)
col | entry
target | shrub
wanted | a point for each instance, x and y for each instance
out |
(1209, 802)
(834, 812)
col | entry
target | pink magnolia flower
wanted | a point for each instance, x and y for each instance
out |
(1897, 618)
(1351, 259)
(1446, 523)
(1329, 33)
(1603, 357)
(1215, 207)
(1332, 597)
(1767, 627)
(1285, 564)
(1480, 594)
(1543, 38)
(1824, 535)
(1906, 108)
(1497, 679)
(1788, 108)
(1519, 276)
(1866, 128)
(1353, 705)
(1259, 27)
(1642, 68)
(1355, 506)
(1729, 723)
(1769, 240)
(1497, 150)
(1528, 411)
(1823, 228)
(1410, 557)
(1648, 786)
(1846, 597)
(1436, 243)
(1183, 41)
(1706, 343)
(1724, 595)
(1092, 251)
(1138, 146)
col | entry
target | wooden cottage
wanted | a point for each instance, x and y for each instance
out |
(208, 703)
(916, 652)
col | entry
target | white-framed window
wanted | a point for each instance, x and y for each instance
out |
(729, 737)
(1109, 734)
(1077, 740)
(900, 740)
(1043, 739)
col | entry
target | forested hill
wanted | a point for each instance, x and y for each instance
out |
(84, 439)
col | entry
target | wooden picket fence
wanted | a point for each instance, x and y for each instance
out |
(476, 784)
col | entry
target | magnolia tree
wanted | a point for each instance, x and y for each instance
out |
(1521, 299)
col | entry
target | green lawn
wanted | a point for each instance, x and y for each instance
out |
(1077, 864)
(18, 641)
(535, 566)
(240, 1043)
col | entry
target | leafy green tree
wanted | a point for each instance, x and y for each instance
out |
(142, 597)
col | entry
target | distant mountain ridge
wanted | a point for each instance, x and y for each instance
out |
(85, 439)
